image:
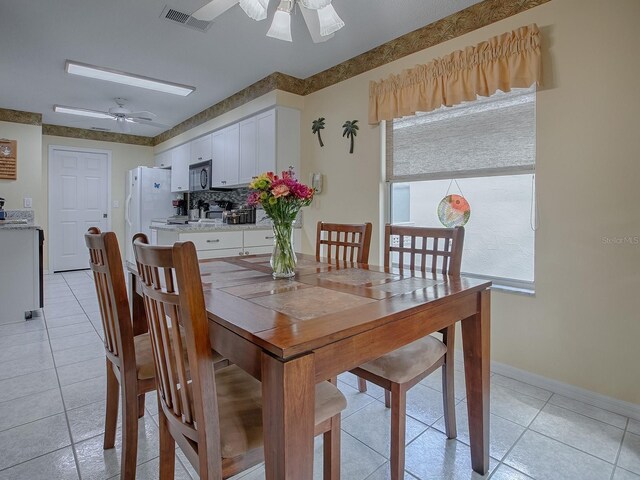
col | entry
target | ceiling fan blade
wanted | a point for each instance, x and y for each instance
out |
(150, 123)
(213, 9)
(313, 24)
(143, 115)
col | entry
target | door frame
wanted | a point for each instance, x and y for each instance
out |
(50, 212)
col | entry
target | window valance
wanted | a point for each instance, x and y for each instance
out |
(501, 63)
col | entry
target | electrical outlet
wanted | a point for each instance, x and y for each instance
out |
(116, 204)
(28, 202)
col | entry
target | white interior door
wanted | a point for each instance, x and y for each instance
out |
(78, 199)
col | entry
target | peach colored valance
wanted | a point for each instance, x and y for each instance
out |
(501, 63)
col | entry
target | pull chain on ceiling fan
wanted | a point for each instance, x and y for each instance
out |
(320, 16)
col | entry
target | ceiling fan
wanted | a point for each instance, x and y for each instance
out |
(122, 115)
(319, 15)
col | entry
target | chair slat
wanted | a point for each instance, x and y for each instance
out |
(339, 242)
(440, 249)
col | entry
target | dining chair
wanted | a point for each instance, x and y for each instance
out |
(428, 250)
(343, 242)
(130, 371)
(213, 414)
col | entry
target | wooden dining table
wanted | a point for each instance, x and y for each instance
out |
(293, 333)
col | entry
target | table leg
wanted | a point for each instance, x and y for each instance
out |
(476, 347)
(138, 314)
(288, 397)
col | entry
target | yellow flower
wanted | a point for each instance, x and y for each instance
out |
(273, 201)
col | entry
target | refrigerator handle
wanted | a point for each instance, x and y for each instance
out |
(127, 213)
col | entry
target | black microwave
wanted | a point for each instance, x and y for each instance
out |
(200, 177)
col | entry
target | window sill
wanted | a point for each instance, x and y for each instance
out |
(527, 292)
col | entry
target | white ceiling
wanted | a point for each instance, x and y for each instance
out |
(37, 36)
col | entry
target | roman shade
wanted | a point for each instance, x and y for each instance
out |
(489, 136)
(501, 63)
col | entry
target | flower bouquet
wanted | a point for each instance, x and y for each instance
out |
(282, 198)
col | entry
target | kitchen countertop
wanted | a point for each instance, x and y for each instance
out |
(211, 227)
(18, 226)
(19, 220)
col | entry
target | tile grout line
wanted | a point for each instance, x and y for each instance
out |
(526, 429)
(615, 464)
(64, 405)
(37, 456)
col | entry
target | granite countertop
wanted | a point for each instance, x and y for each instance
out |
(18, 226)
(19, 220)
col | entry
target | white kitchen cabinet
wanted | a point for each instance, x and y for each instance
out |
(248, 150)
(163, 159)
(180, 168)
(266, 142)
(214, 244)
(200, 150)
(20, 277)
(226, 151)
(218, 244)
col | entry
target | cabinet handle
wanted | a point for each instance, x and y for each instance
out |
(215, 240)
(224, 182)
(269, 237)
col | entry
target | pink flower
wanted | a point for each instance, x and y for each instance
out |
(280, 190)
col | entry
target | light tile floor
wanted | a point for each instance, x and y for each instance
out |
(52, 393)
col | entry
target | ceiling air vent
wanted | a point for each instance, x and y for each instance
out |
(185, 19)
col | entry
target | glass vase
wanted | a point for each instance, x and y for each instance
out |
(283, 258)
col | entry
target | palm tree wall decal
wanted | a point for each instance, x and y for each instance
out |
(316, 126)
(350, 131)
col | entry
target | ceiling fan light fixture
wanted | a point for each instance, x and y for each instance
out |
(80, 111)
(315, 4)
(123, 124)
(256, 9)
(100, 73)
(281, 25)
(330, 22)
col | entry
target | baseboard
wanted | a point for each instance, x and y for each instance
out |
(614, 405)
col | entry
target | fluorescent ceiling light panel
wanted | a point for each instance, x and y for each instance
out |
(116, 76)
(80, 111)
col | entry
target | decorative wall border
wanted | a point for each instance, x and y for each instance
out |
(17, 116)
(457, 24)
(86, 134)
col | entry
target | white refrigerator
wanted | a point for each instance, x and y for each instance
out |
(148, 197)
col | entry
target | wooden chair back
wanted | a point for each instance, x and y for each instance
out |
(108, 276)
(343, 242)
(174, 302)
(438, 250)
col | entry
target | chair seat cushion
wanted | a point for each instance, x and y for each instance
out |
(240, 408)
(144, 356)
(407, 362)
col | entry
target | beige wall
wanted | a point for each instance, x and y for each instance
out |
(582, 327)
(28, 184)
(123, 158)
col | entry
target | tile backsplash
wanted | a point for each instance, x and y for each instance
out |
(238, 196)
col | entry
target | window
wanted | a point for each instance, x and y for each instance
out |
(484, 150)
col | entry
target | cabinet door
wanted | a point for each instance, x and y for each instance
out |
(218, 154)
(180, 168)
(231, 154)
(247, 168)
(163, 159)
(200, 150)
(266, 142)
